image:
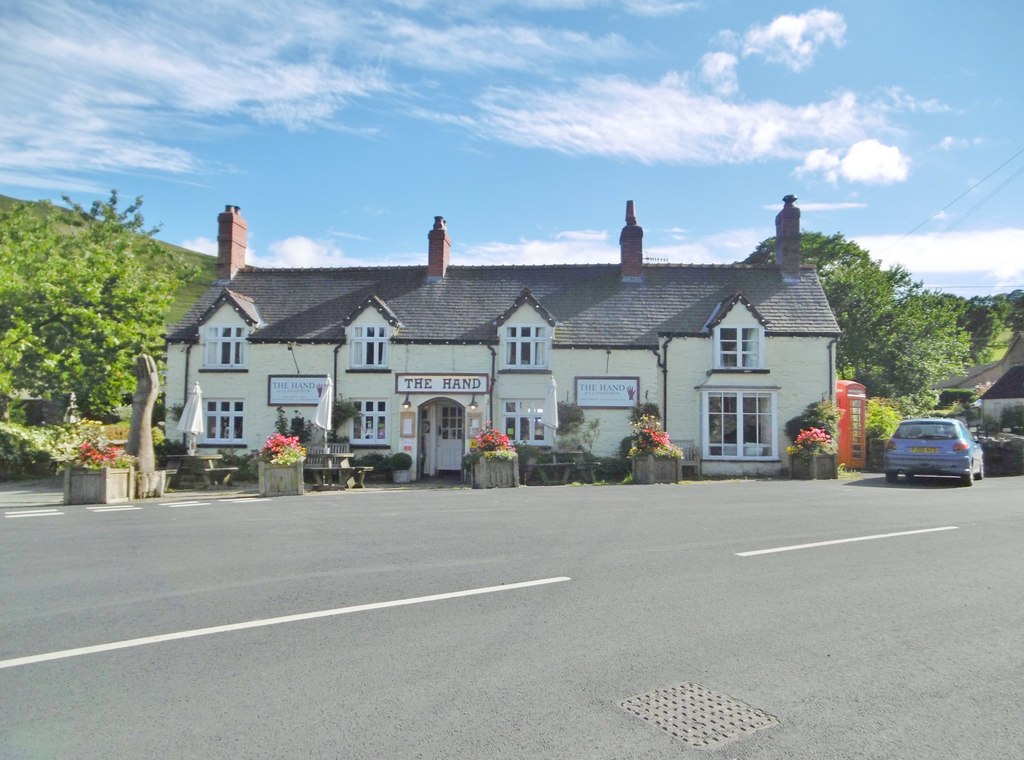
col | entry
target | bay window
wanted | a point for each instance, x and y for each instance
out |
(740, 424)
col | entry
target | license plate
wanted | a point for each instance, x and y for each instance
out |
(924, 450)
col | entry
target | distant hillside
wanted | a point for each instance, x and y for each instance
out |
(188, 292)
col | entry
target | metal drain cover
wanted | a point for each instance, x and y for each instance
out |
(700, 717)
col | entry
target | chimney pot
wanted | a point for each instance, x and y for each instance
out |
(232, 231)
(787, 240)
(439, 250)
(631, 247)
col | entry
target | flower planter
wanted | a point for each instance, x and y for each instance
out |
(495, 473)
(401, 476)
(280, 479)
(651, 469)
(814, 467)
(103, 485)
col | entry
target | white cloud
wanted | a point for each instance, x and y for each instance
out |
(795, 40)
(867, 161)
(719, 71)
(201, 244)
(301, 251)
(667, 122)
(958, 261)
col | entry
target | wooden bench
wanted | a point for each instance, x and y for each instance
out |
(691, 457)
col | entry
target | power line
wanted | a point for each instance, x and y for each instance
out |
(965, 192)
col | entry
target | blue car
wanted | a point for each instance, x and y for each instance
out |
(933, 446)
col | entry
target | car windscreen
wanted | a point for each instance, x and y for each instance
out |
(939, 431)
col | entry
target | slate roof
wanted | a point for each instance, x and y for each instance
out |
(1010, 385)
(591, 304)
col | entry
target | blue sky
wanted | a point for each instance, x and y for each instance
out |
(341, 129)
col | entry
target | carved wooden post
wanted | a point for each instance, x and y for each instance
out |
(140, 433)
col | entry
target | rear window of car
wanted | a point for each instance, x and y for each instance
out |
(931, 430)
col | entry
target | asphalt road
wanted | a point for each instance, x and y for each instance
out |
(906, 646)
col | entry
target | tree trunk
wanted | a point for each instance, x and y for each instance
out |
(140, 433)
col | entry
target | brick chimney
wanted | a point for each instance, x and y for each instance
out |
(231, 234)
(631, 247)
(787, 240)
(439, 250)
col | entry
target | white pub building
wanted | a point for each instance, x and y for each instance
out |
(430, 354)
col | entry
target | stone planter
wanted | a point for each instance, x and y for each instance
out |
(105, 485)
(495, 473)
(401, 476)
(651, 469)
(281, 479)
(814, 467)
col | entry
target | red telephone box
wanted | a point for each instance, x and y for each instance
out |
(853, 437)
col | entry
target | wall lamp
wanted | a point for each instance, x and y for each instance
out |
(407, 403)
(472, 404)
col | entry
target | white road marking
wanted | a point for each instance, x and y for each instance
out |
(843, 541)
(113, 509)
(186, 504)
(34, 513)
(269, 621)
(241, 500)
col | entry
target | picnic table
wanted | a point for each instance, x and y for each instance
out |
(198, 471)
(565, 465)
(332, 469)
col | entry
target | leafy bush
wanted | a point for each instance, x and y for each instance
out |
(21, 447)
(381, 464)
(400, 461)
(882, 417)
(1012, 417)
(962, 396)
(570, 417)
(644, 409)
(612, 469)
(823, 415)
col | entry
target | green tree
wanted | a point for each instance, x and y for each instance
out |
(983, 318)
(898, 338)
(82, 293)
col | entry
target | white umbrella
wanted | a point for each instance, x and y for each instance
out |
(191, 421)
(549, 418)
(322, 418)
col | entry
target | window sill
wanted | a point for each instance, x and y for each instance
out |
(368, 371)
(223, 369)
(530, 371)
(766, 460)
(222, 445)
(737, 371)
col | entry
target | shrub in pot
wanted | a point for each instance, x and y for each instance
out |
(401, 467)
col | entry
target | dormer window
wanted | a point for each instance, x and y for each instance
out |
(526, 347)
(225, 347)
(738, 348)
(370, 347)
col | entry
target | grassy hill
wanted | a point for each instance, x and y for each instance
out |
(187, 293)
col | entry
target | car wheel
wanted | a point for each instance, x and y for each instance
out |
(891, 477)
(967, 480)
(981, 471)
